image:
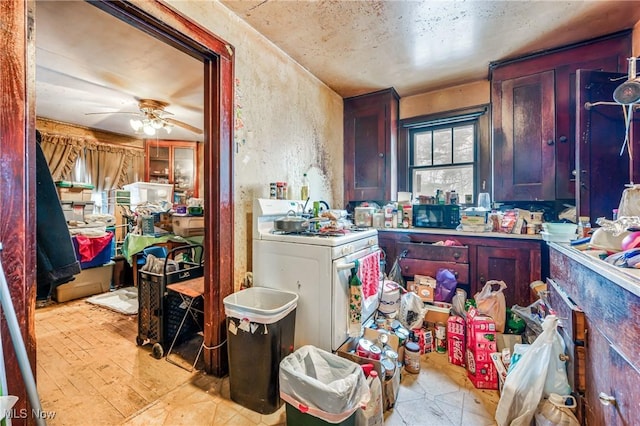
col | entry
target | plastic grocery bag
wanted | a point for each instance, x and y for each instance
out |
(526, 383)
(412, 310)
(445, 285)
(322, 384)
(395, 274)
(491, 302)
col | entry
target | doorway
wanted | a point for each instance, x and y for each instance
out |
(18, 194)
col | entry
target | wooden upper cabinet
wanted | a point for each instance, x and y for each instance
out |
(370, 138)
(534, 117)
(524, 146)
(174, 162)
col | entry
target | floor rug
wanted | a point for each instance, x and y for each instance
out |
(123, 300)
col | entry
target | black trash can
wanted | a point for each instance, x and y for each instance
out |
(260, 332)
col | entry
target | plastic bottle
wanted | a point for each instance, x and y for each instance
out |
(439, 196)
(453, 197)
(556, 410)
(372, 413)
(304, 189)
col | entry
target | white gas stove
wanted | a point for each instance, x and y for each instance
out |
(316, 266)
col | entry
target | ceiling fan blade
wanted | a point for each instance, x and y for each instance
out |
(112, 112)
(183, 125)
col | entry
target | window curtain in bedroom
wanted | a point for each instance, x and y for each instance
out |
(109, 166)
(61, 153)
(105, 166)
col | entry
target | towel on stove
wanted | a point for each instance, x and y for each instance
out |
(369, 274)
(364, 285)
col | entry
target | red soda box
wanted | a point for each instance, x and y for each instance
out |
(481, 342)
(456, 344)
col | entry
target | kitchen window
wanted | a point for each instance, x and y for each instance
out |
(442, 153)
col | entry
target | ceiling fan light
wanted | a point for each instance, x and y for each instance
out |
(149, 130)
(168, 127)
(136, 124)
(157, 123)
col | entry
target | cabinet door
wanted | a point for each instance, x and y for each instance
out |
(524, 138)
(566, 119)
(604, 167)
(158, 164)
(365, 169)
(609, 374)
(370, 138)
(509, 265)
(184, 161)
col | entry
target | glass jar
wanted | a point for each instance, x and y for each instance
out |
(584, 227)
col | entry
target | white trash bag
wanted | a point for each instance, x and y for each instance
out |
(538, 373)
(322, 384)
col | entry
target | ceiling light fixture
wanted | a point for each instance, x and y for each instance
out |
(150, 126)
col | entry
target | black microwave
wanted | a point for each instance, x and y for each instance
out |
(436, 216)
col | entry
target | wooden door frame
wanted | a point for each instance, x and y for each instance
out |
(17, 164)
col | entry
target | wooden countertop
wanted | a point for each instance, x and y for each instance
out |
(627, 278)
(442, 231)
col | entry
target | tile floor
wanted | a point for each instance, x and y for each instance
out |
(90, 371)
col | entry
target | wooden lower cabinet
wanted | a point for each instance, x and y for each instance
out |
(517, 267)
(606, 367)
(482, 257)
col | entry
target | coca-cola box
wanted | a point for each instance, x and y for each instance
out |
(481, 342)
(456, 343)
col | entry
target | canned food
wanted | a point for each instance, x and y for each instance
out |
(389, 367)
(403, 335)
(392, 355)
(375, 352)
(273, 190)
(364, 348)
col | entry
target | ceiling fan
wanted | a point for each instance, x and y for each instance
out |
(152, 117)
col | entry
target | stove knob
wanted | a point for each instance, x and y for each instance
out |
(372, 242)
(347, 249)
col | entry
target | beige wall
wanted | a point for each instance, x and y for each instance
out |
(451, 98)
(291, 123)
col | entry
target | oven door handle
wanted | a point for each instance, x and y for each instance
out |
(346, 266)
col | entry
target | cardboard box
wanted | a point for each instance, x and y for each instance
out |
(507, 341)
(74, 194)
(456, 340)
(89, 282)
(481, 343)
(437, 313)
(424, 286)
(389, 387)
(496, 357)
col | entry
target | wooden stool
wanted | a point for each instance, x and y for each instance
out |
(189, 291)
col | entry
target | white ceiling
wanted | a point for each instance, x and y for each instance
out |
(88, 61)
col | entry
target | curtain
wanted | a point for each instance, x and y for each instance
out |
(61, 153)
(105, 166)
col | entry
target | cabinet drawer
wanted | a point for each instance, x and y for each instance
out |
(572, 328)
(411, 267)
(434, 252)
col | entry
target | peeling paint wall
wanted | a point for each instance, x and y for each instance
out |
(287, 123)
(451, 98)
